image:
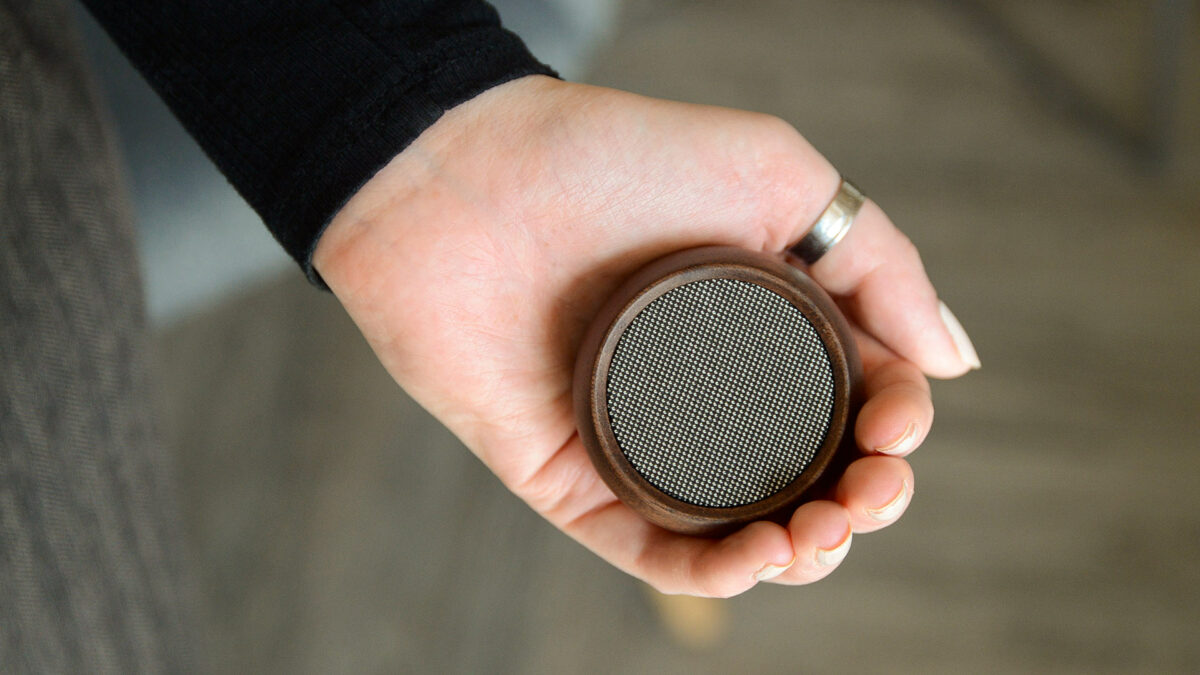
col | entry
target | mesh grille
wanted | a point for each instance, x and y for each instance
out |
(720, 393)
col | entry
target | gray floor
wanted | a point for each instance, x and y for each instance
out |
(1056, 526)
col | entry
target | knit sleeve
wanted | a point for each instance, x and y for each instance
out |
(300, 102)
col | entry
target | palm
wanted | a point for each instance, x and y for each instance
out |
(499, 240)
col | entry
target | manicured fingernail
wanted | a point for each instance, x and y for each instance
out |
(827, 557)
(904, 443)
(966, 350)
(892, 509)
(771, 571)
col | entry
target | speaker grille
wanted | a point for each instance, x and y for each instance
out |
(720, 392)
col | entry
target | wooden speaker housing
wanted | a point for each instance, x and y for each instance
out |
(592, 395)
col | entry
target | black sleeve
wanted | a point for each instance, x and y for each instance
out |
(300, 102)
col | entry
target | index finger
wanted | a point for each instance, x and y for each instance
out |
(874, 271)
(877, 274)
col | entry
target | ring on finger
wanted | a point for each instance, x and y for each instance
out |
(832, 225)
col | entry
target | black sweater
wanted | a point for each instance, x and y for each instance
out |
(300, 102)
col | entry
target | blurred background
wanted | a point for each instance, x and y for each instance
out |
(1045, 157)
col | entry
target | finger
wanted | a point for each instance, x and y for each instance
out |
(676, 563)
(569, 493)
(821, 537)
(877, 270)
(878, 273)
(875, 491)
(898, 412)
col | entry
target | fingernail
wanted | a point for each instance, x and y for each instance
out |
(904, 443)
(892, 509)
(827, 557)
(966, 350)
(771, 571)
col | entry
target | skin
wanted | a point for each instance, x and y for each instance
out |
(474, 261)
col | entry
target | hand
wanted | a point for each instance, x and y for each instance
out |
(473, 262)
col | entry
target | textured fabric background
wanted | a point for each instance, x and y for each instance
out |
(90, 571)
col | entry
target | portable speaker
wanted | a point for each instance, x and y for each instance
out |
(718, 387)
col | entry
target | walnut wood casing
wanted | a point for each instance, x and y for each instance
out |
(650, 283)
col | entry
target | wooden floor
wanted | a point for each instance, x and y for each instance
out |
(1056, 525)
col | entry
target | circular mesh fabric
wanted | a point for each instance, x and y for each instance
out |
(720, 392)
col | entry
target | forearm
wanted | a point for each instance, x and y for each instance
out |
(300, 102)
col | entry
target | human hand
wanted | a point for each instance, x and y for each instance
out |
(474, 261)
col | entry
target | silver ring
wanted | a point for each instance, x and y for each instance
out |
(833, 224)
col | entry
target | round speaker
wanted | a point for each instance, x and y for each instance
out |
(717, 387)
